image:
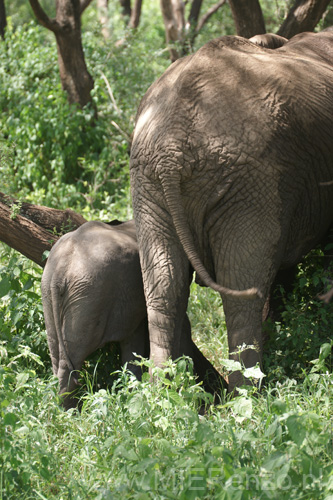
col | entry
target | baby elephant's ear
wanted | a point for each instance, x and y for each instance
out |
(269, 40)
(114, 222)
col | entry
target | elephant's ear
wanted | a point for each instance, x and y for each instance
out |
(114, 222)
(269, 40)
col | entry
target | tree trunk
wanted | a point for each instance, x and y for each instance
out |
(126, 7)
(135, 15)
(248, 17)
(24, 236)
(193, 15)
(303, 16)
(171, 28)
(32, 229)
(102, 8)
(3, 19)
(74, 76)
(178, 8)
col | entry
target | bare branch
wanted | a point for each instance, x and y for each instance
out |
(102, 9)
(121, 131)
(48, 218)
(178, 7)
(209, 14)
(84, 4)
(328, 183)
(303, 16)
(43, 18)
(326, 297)
(108, 86)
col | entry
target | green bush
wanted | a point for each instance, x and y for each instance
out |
(21, 320)
(306, 322)
(147, 441)
(62, 155)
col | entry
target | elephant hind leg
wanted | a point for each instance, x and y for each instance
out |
(165, 272)
(136, 343)
(244, 326)
(68, 385)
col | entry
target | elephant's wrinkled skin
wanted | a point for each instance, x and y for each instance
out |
(231, 161)
(92, 294)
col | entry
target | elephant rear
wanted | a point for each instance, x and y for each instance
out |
(92, 294)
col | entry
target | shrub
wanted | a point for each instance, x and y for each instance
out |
(306, 322)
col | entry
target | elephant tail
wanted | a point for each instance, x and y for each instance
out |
(172, 193)
(60, 330)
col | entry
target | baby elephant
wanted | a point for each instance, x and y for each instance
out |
(92, 294)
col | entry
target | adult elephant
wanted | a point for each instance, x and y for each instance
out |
(231, 164)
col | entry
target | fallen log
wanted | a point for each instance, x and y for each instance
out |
(31, 229)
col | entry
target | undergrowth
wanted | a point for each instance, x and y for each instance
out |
(147, 441)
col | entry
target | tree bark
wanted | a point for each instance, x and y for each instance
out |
(191, 26)
(24, 236)
(248, 17)
(74, 75)
(178, 8)
(3, 18)
(102, 8)
(32, 229)
(126, 7)
(135, 15)
(171, 28)
(303, 16)
(194, 14)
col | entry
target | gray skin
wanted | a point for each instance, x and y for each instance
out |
(231, 163)
(92, 294)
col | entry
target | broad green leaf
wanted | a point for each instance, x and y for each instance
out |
(297, 428)
(5, 286)
(232, 365)
(176, 398)
(253, 372)
(10, 418)
(243, 407)
(203, 433)
(278, 407)
(325, 351)
(273, 461)
(136, 404)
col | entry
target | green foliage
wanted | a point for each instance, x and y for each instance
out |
(208, 324)
(21, 320)
(85, 156)
(143, 440)
(20, 12)
(306, 322)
